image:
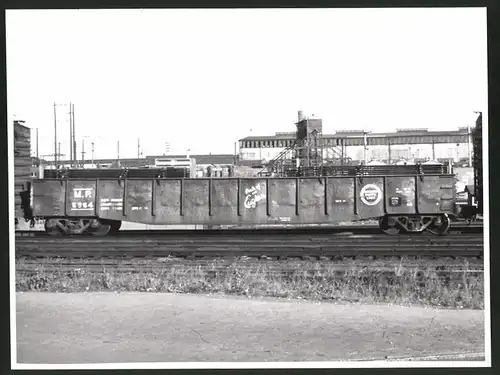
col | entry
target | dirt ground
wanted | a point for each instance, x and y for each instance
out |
(139, 327)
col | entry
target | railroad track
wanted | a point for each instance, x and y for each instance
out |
(456, 228)
(294, 269)
(277, 245)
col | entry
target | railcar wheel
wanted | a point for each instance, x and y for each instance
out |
(53, 227)
(389, 226)
(440, 225)
(98, 228)
(66, 226)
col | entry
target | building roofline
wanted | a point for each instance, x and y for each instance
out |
(344, 135)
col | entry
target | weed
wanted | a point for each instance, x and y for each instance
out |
(425, 286)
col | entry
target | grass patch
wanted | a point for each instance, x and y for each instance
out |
(423, 286)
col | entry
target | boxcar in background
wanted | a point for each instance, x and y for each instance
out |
(22, 169)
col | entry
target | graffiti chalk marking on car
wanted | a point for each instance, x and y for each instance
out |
(252, 196)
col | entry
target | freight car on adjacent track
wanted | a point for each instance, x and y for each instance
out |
(22, 170)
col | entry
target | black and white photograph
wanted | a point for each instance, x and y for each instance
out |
(248, 188)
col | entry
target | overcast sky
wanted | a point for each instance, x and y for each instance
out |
(201, 79)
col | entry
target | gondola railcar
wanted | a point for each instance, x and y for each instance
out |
(402, 202)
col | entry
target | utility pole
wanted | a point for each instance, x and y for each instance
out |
(138, 148)
(59, 151)
(55, 136)
(92, 154)
(342, 151)
(70, 136)
(468, 145)
(37, 143)
(365, 141)
(83, 152)
(74, 135)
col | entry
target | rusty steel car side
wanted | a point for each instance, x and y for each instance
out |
(242, 201)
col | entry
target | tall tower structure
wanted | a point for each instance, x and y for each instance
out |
(309, 149)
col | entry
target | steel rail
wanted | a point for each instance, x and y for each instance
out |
(250, 262)
(283, 269)
(289, 245)
(358, 229)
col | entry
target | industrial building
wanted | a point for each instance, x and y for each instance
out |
(362, 146)
(306, 146)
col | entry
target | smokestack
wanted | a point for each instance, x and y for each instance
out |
(301, 116)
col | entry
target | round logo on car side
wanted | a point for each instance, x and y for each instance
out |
(371, 194)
